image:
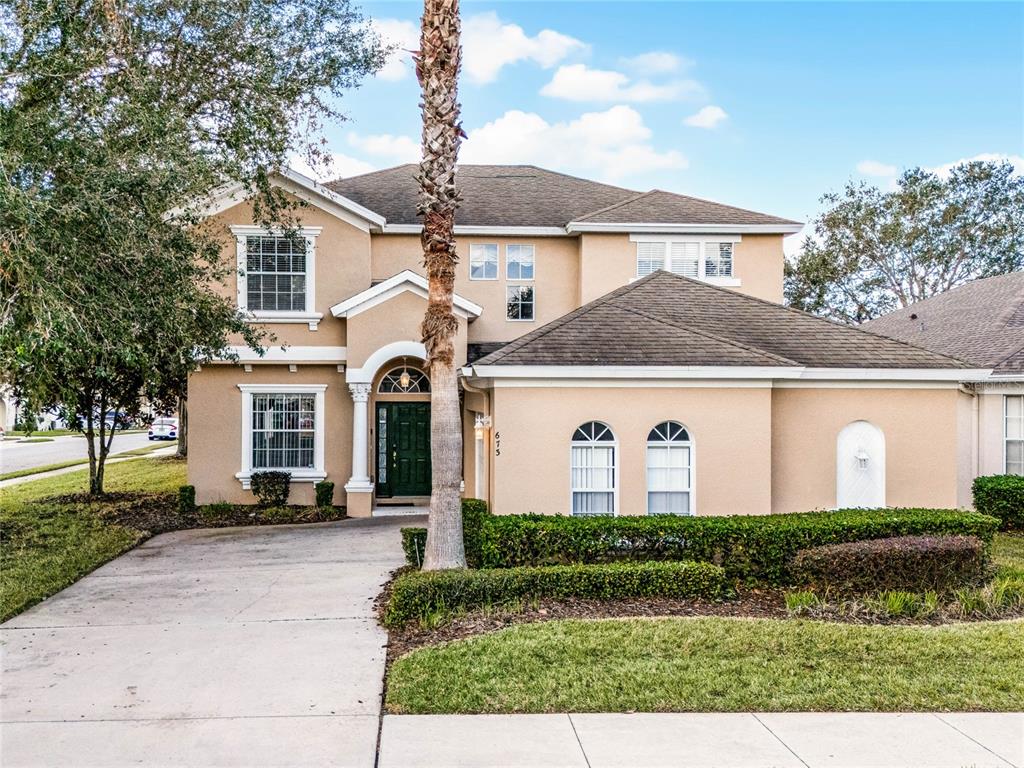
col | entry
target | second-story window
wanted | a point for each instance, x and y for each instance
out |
(275, 273)
(687, 256)
(483, 261)
(520, 302)
(519, 262)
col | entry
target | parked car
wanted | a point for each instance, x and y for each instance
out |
(164, 429)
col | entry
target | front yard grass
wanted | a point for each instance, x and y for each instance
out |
(49, 543)
(1008, 554)
(716, 665)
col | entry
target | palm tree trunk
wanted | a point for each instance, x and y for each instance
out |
(437, 67)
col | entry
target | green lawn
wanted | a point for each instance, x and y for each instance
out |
(1008, 553)
(716, 665)
(48, 545)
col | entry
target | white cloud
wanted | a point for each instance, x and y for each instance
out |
(610, 144)
(393, 149)
(1015, 160)
(875, 168)
(339, 165)
(655, 63)
(405, 35)
(706, 117)
(578, 82)
(488, 45)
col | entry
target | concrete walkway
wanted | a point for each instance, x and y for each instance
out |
(791, 740)
(229, 647)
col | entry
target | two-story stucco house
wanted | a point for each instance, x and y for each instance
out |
(621, 353)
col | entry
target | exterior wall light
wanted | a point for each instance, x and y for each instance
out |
(404, 379)
(862, 459)
(480, 425)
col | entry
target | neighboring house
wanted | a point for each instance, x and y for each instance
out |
(621, 353)
(981, 322)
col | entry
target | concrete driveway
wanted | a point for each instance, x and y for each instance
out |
(230, 647)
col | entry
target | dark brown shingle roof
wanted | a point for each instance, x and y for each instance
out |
(669, 320)
(981, 322)
(527, 196)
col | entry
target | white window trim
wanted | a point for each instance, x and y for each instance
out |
(617, 457)
(534, 303)
(497, 263)
(310, 317)
(299, 475)
(693, 470)
(1006, 437)
(533, 263)
(702, 240)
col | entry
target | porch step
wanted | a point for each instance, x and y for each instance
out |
(396, 511)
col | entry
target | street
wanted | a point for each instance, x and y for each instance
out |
(15, 456)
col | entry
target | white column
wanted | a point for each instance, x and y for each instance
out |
(360, 481)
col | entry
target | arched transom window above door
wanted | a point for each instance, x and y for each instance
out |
(403, 380)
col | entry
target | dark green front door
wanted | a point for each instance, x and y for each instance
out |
(403, 449)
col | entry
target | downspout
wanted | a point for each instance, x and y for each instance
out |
(970, 389)
(480, 454)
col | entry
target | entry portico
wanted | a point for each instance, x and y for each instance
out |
(382, 325)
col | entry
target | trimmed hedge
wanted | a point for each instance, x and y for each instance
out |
(416, 596)
(186, 499)
(912, 563)
(474, 517)
(1001, 496)
(751, 548)
(324, 493)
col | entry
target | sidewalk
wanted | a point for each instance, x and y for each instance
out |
(784, 740)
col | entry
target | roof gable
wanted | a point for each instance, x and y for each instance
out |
(405, 281)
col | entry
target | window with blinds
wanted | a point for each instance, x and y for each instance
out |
(1013, 410)
(593, 470)
(690, 257)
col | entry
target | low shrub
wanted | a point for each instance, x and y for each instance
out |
(414, 541)
(187, 500)
(419, 596)
(751, 548)
(474, 517)
(1001, 496)
(271, 488)
(324, 494)
(916, 563)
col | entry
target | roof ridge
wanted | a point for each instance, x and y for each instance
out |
(619, 204)
(714, 337)
(801, 313)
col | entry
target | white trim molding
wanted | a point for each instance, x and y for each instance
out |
(406, 280)
(471, 230)
(307, 316)
(360, 480)
(369, 369)
(304, 188)
(271, 355)
(667, 228)
(298, 475)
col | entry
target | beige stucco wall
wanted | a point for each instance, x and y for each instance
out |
(215, 429)
(608, 261)
(556, 277)
(533, 427)
(991, 427)
(920, 428)
(342, 270)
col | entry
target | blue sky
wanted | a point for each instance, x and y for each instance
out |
(761, 105)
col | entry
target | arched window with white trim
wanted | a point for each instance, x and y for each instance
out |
(594, 477)
(669, 470)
